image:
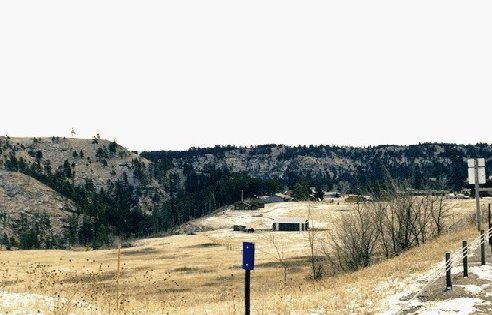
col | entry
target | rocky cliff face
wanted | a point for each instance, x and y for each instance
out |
(274, 164)
(24, 198)
(342, 166)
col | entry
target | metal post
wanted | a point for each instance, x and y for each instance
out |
(449, 285)
(482, 247)
(490, 230)
(465, 259)
(477, 195)
(248, 265)
(490, 227)
(246, 292)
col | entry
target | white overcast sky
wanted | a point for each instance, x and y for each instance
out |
(167, 75)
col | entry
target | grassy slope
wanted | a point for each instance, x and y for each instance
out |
(199, 274)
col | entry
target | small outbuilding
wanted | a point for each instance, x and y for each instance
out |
(290, 224)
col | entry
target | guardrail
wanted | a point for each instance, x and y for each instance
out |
(456, 259)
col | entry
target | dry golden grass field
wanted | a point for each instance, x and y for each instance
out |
(201, 273)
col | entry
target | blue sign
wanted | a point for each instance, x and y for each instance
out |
(248, 256)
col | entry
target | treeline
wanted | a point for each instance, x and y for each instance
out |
(192, 152)
(420, 163)
(33, 232)
(217, 151)
(203, 192)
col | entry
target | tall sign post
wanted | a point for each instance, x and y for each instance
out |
(476, 176)
(248, 265)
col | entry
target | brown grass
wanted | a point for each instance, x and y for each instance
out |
(201, 274)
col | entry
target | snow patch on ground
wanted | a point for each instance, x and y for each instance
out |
(263, 217)
(482, 272)
(396, 302)
(25, 303)
(458, 306)
(398, 295)
(471, 288)
(399, 292)
(13, 303)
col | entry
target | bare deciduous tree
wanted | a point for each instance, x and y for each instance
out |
(352, 244)
(386, 227)
(313, 239)
(278, 254)
(439, 211)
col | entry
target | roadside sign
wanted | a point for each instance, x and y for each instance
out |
(471, 175)
(481, 162)
(476, 176)
(248, 256)
(480, 168)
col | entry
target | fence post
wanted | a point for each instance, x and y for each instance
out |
(465, 259)
(118, 281)
(490, 230)
(482, 247)
(449, 285)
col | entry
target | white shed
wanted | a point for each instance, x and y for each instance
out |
(290, 224)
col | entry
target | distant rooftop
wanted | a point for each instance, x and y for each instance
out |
(290, 220)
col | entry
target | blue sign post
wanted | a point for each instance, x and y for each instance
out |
(248, 265)
(248, 256)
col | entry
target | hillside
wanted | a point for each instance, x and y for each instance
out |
(118, 193)
(82, 161)
(96, 178)
(341, 168)
(26, 204)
